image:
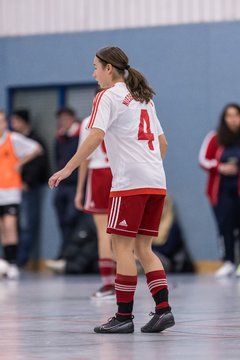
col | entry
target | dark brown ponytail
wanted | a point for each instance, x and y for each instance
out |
(138, 86)
(135, 81)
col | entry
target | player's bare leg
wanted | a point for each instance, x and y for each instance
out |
(107, 265)
(157, 283)
(125, 285)
(9, 241)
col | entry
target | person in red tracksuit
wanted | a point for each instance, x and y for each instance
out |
(220, 157)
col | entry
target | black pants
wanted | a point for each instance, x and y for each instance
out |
(227, 213)
(29, 215)
(67, 214)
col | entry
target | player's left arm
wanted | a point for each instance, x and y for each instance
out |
(162, 145)
(161, 137)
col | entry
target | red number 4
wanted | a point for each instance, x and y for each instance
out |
(144, 131)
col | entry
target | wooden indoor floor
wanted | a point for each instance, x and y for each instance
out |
(47, 317)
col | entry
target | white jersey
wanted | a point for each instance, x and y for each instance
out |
(131, 137)
(98, 159)
(22, 146)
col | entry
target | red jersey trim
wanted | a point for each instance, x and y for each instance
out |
(147, 191)
(95, 108)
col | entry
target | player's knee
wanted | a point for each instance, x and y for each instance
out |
(121, 247)
(141, 250)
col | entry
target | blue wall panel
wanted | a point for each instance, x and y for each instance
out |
(194, 70)
(2, 73)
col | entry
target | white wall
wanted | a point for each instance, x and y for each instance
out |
(31, 17)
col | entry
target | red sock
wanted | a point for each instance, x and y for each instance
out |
(157, 284)
(107, 269)
(125, 286)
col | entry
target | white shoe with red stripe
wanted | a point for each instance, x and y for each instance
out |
(104, 293)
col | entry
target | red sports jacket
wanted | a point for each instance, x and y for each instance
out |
(209, 159)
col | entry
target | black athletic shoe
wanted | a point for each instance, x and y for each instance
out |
(158, 322)
(113, 326)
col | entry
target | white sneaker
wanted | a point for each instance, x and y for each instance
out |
(13, 272)
(4, 265)
(104, 293)
(237, 273)
(227, 269)
(58, 266)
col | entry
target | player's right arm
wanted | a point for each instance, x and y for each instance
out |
(25, 148)
(94, 139)
(208, 152)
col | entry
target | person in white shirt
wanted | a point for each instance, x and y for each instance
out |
(124, 116)
(99, 180)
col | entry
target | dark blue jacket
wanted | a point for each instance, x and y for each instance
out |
(65, 147)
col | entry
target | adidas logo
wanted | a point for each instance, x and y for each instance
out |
(123, 223)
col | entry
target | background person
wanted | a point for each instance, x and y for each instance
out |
(220, 157)
(66, 145)
(99, 181)
(34, 175)
(170, 244)
(15, 151)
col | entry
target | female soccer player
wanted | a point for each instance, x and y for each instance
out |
(99, 181)
(124, 115)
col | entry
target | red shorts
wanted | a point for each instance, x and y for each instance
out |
(133, 215)
(99, 184)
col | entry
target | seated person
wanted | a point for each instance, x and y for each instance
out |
(170, 245)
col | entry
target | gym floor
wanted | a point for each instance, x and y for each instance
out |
(47, 317)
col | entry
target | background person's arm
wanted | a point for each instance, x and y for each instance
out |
(82, 174)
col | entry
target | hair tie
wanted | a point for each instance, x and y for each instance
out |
(127, 67)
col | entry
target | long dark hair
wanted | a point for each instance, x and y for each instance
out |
(226, 137)
(135, 81)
